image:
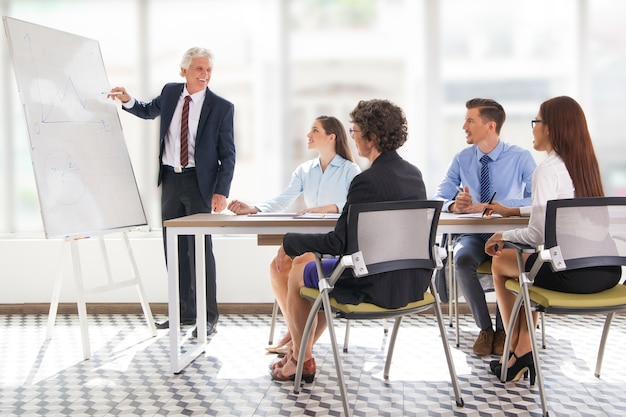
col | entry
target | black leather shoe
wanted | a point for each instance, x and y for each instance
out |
(166, 324)
(210, 329)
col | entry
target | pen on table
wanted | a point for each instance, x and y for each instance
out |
(490, 201)
(112, 93)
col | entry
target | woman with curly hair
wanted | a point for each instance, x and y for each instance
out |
(379, 128)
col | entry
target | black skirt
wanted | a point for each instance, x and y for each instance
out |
(576, 281)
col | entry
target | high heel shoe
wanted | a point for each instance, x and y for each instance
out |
(308, 372)
(496, 366)
(522, 366)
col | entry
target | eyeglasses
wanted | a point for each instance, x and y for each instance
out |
(353, 131)
(534, 122)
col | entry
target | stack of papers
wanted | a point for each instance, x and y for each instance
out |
(299, 216)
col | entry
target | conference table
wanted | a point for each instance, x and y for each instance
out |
(269, 230)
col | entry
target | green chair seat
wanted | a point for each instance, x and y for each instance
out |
(484, 268)
(615, 296)
(368, 308)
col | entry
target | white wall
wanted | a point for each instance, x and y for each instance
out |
(30, 267)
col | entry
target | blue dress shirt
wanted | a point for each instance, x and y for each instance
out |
(511, 172)
(319, 188)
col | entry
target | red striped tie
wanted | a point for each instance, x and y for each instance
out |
(184, 133)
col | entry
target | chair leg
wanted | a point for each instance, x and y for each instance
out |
(273, 324)
(456, 312)
(392, 345)
(509, 333)
(305, 340)
(523, 298)
(346, 338)
(542, 316)
(533, 343)
(446, 348)
(336, 357)
(605, 334)
(322, 299)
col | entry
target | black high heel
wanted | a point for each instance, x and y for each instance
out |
(496, 365)
(522, 366)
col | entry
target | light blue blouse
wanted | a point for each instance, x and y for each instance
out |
(319, 188)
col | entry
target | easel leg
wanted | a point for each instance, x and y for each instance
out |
(56, 291)
(82, 306)
(142, 295)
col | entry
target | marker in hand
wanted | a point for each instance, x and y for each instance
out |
(490, 201)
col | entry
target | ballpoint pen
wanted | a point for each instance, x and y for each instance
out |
(490, 201)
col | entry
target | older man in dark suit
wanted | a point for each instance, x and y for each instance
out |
(197, 163)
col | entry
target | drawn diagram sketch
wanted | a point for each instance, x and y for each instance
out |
(84, 176)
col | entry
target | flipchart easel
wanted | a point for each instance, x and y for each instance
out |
(72, 244)
(85, 180)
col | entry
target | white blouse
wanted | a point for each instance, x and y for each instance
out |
(551, 181)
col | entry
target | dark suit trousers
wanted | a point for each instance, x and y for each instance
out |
(181, 197)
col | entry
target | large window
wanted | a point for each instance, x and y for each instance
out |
(284, 62)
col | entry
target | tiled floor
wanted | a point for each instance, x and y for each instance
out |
(128, 373)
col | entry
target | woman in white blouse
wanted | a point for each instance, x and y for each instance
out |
(323, 181)
(570, 170)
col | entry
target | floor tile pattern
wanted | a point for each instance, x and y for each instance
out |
(128, 373)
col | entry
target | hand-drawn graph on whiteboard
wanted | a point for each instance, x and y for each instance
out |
(82, 168)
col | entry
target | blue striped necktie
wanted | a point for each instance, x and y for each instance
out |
(485, 186)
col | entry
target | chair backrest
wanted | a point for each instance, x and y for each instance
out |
(589, 231)
(394, 235)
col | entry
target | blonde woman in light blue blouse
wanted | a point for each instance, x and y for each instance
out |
(323, 182)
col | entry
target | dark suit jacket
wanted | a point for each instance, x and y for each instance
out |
(390, 178)
(215, 144)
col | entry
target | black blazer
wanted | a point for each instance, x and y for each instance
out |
(215, 144)
(390, 178)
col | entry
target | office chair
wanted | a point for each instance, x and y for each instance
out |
(579, 233)
(387, 236)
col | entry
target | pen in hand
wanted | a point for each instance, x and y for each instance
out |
(490, 201)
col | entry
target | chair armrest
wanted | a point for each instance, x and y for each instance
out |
(520, 247)
(552, 255)
(354, 262)
(439, 254)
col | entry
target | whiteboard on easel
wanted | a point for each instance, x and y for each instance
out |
(85, 181)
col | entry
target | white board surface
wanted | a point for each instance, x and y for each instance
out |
(83, 172)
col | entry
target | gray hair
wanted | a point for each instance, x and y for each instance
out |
(195, 52)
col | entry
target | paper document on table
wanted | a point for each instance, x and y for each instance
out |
(479, 216)
(273, 215)
(318, 216)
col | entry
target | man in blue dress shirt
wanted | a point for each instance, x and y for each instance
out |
(508, 172)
